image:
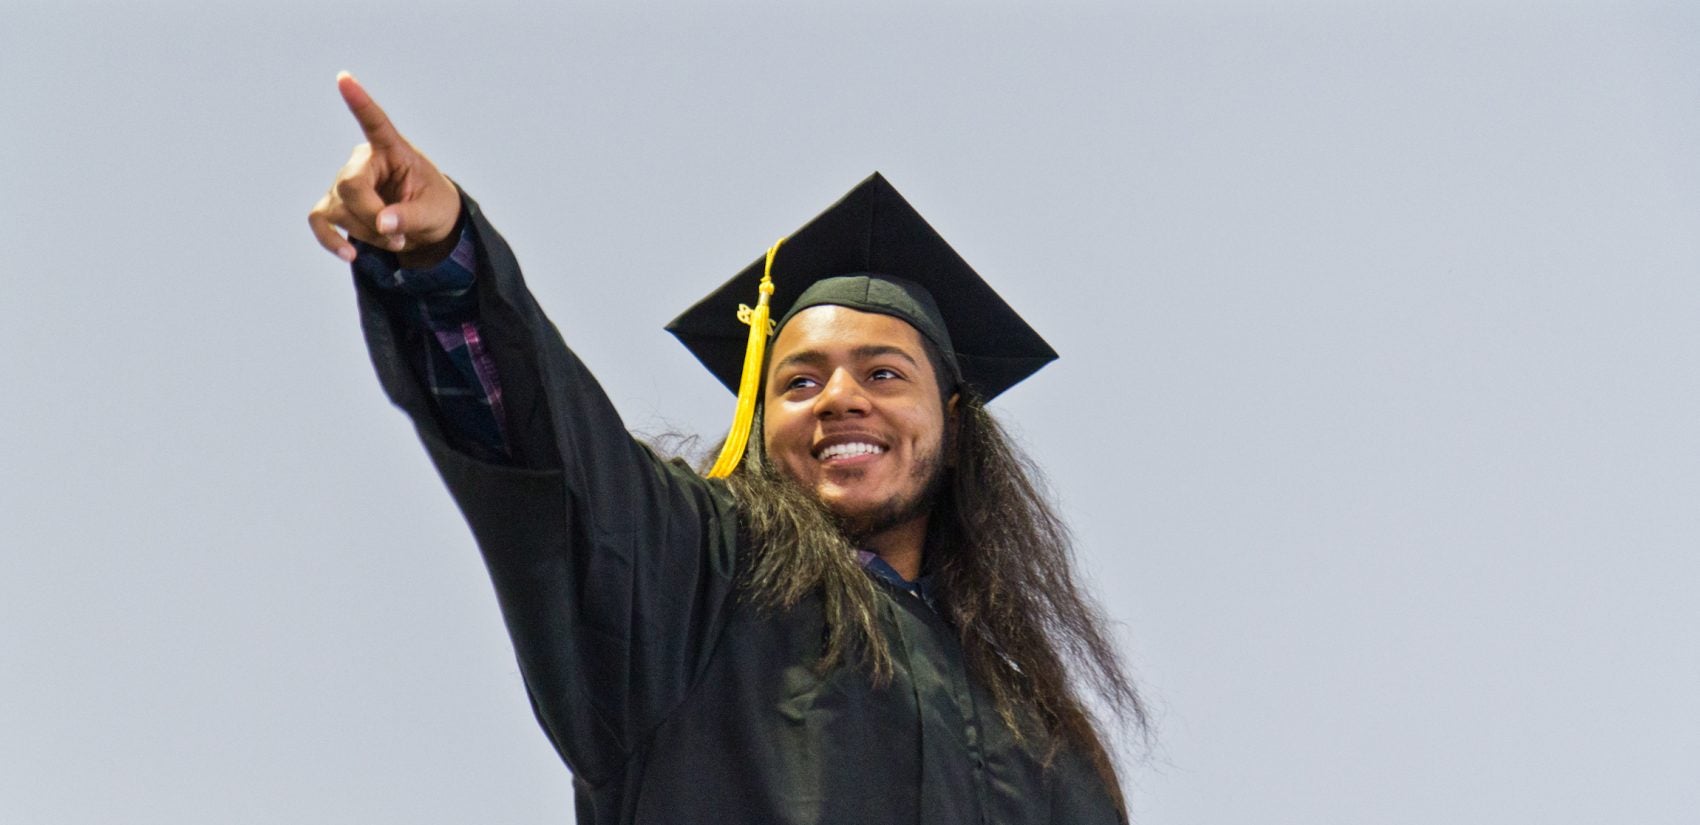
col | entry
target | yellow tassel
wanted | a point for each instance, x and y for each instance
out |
(749, 383)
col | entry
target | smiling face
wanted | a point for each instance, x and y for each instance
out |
(853, 414)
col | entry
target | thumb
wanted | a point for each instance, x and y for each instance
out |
(421, 220)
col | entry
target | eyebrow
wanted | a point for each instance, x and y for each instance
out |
(817, 359)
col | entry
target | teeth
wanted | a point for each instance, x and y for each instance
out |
(852, 449)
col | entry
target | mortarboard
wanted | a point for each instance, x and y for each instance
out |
(873, 252)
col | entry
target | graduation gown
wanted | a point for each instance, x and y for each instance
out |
(671, 699)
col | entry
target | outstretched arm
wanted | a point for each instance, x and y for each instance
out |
(615, 570)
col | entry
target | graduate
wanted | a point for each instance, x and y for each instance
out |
(863, 612)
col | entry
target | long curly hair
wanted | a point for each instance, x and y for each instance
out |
(1003, 562)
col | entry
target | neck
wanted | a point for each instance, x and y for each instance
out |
(900, 546)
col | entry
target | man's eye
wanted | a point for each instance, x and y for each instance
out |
(883, 373)
(800, 382)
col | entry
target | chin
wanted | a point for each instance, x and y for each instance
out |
(852, 504)
(860, 518)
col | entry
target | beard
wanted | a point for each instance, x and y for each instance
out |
(929, 472)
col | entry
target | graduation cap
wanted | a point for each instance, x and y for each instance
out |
(870, 251)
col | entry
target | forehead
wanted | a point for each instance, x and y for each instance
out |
(838, 331)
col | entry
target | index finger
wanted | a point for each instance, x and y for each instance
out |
(379, 131)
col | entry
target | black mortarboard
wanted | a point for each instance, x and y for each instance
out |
(902, 268)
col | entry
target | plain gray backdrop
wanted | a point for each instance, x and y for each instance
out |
(1375, 417)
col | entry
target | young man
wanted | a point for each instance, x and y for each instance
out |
(865, 615)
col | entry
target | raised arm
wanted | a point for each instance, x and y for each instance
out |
(615, 570)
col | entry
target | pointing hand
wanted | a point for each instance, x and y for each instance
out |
(388, 195)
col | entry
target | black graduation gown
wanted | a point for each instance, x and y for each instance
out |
(672, 700)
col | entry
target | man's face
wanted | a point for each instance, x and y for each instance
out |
(853, 414)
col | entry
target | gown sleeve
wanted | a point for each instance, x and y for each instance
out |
(614, 569)
(448, 354)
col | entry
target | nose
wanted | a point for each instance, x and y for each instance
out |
(842, 396)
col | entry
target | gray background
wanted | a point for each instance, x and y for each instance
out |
(1375, 416)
